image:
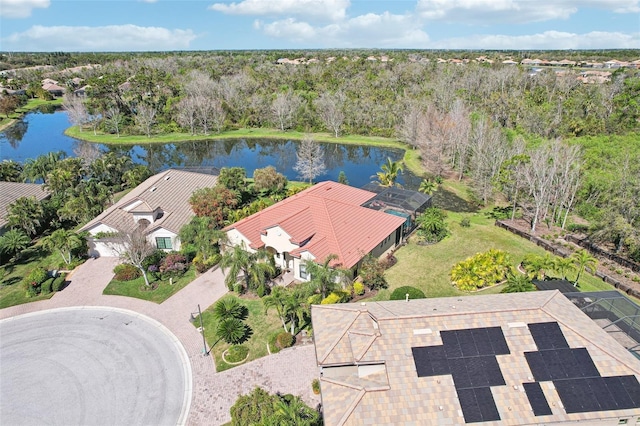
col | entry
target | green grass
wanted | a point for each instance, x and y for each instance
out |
(263, 325)
(136, 288)
(29, 106)
(12, 291)
(428, 267)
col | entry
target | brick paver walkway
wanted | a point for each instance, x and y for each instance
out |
(290, 371)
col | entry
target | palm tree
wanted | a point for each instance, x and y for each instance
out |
(25, 213)
(13, 242)
(229, 308)
(517, 282)
(201, 232)
(324, 277)
(538, 266)
(583, 260)
(288, 305)
(65, 242)
(389, 173)
(253, 266)
(427, 186)
(232, 330)
(563, 265)
(37, 169)
(294, 412)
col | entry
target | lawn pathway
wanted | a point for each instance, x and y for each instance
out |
(290, 371)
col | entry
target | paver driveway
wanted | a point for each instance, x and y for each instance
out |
(290, 371)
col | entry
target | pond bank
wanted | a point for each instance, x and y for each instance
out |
(411, 157)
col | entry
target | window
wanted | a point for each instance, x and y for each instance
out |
(303, 271)
(164, 243)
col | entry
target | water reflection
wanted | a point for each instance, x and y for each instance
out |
(41, 133)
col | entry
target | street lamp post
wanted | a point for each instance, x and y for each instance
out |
(205, 352)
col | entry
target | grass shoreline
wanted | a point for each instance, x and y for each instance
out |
(411, 157)
(32, 104)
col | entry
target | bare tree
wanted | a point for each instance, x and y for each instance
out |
(133, 247)
(186, 115)
(145, 118)
(330, 107)
(488, 151)
(539, 174)
(409, 128)
(284, 108)
(310, 163)
(76, 110)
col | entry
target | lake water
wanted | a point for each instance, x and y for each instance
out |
(42, 132)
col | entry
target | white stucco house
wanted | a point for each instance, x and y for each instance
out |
(328, 218)
(160, 205)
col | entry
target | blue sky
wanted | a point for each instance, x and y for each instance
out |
(137, 25)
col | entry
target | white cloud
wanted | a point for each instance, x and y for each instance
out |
(370, 30)
(108, 38)
(544, 41)
(331, 10)
(514, 11)
(149, 1)
(21, 8)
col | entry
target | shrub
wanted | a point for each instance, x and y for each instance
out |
(237, 353)
(126, 272)
(261, 291)
(578, 228)
(358, 288)
(238, 288)
(174, 265)
(45, 287)
(372, 273)
(433, 227)
(285, 340)
(465, 222)
(401, 292)
(37, 276)
(338, 296)
(58, 283)
(203, 266)
(189, 251)
(499, 213)
(154, 258)
(481, 270)
(315, 386)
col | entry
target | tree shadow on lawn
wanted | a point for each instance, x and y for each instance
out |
(447, 200)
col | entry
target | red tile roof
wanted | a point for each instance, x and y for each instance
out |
(325, 219)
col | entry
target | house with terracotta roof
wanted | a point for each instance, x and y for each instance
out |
(504, 359)
(328, 218)
(160, 205)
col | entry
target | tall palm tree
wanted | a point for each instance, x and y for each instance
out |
(288, 304)
(253, 266)
(25, 213)
(323, 276)
(582, 259)
(563, 265)
(390, 171)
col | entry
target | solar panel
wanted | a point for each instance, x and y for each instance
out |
(569, 395)
(481, 339)
(467, 344)
(451, 345)
(599, 389)
(458, 368)
(498, 342)
(618, 392)
(537, 366)
(631, 385)
(547, 335)
(477, 372)
(537, 399)
(569, 364)
(493, 372)
(469, 405)
(487, 404)
(585, 363)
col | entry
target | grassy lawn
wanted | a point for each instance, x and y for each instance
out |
(263, 325)
(12, 291)
(428, 267)
(136, 288)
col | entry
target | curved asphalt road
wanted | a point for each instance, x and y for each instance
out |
(92, 366)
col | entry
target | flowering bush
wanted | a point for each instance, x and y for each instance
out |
(126, 272)
(174, 265)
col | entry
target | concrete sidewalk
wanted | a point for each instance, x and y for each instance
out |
(290, 371)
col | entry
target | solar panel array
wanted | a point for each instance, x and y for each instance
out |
(470, 357)
(574, 375)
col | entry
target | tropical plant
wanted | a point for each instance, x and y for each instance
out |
(13, 242)
(517, 283)
(287, 304)
(202, 233)
(25, 213)
(481, 270)
(583, 260)
(252, 408)
(229, 307)
(536, 266)
(294, 412)
(563, 265)
(427, 186)
(433, 227)
(372, 273)
(233, 331)
(64, 242)
(390, 171)
(254, 267)
(324, 277)
(233, 178)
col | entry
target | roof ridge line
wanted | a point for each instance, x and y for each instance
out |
(340, 336)
(333, 231)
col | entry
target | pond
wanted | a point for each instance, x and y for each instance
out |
(43, 131)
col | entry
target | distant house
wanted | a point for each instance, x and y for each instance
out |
(11, 191)
(53, 88)
(160, 205)
(328, 218)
